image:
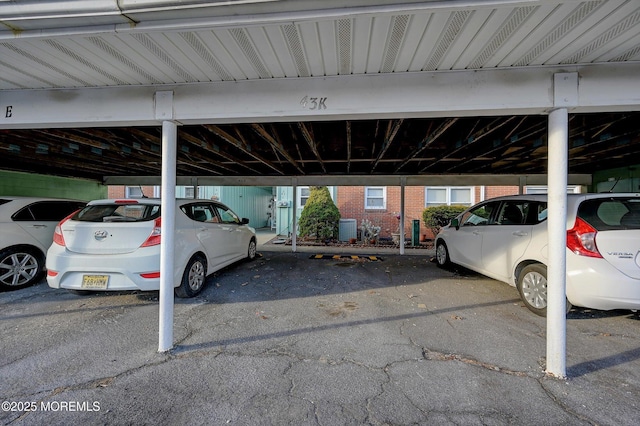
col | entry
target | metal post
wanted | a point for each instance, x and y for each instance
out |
(557, 233)
(403, 181)
(169, 151)
(294, 184)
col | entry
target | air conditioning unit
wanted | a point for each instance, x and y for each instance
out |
(283, 204)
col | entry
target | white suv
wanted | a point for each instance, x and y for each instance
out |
(505, 238)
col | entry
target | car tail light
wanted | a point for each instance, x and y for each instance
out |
(154, 238)
(581, 239)
(51, 273)
(57, 232)
(151, 275)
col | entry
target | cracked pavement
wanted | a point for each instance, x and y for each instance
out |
(287, 339)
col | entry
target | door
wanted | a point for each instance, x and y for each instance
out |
(212, 233)
(235, 232)
(508, 239)
(465, 243)
(40, 219)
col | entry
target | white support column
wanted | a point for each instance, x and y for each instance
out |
(169, 152)
(403, 182)
(294, 221)
(557, 231)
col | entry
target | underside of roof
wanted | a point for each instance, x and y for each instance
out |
(62, 47)
(474, 145)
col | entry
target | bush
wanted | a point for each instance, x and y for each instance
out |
(320, 218)
(436, 217)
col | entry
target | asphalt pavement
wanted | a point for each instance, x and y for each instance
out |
(300, 339)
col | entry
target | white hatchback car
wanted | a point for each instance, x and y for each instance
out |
(26, 232)
(505, 238)
(115, 245)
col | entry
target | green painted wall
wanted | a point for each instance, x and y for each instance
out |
(251, 202)
(624, 179)
(34, 185)
(284, 214)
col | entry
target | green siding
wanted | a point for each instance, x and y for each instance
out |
(624, 179)
(284, 215)
(34, 185)
(251, 202)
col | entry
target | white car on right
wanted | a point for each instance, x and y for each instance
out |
(506, 238)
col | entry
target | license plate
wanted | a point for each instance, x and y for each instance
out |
(96, 282)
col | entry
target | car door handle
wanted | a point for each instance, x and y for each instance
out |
(520, 233)
(39, 226)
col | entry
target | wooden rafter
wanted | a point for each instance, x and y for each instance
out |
(524, 134)
(429, 138)
(275, 144)
(241, 146)
(307, 135)
(392, 130)
(474, 138)
(213, 149)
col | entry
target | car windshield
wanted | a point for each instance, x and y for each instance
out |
(606, 214)
(118, 213)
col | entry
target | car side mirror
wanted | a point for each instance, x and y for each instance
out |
(455, 222)
(244, 221)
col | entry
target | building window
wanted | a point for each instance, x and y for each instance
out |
(303, 196)
(375, 197)
(571, 189)
(133, 192)
(446, 196)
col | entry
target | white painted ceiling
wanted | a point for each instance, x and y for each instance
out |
(104, 43)
(48, 44)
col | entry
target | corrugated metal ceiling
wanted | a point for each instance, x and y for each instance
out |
(51, 45)
(360, 41)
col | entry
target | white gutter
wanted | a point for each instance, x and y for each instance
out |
(54, 18)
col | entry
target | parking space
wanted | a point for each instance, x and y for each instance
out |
(292, 338)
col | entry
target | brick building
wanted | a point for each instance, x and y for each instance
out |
(381, 205)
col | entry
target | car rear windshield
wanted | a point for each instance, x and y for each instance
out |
(118, 213)
(614, 213)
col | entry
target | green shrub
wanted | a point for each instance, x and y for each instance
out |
(436, 217)
(320, 218)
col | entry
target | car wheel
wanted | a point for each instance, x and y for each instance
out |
(20, 267)
(532, 286)
(252, 251)
(442, 255)
(193, 278)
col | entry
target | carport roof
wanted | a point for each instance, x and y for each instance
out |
(61, 46)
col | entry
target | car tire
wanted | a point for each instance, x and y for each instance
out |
(442, 255)
(532, 286)
(20, 267)
(252, 251)
(193, 278)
